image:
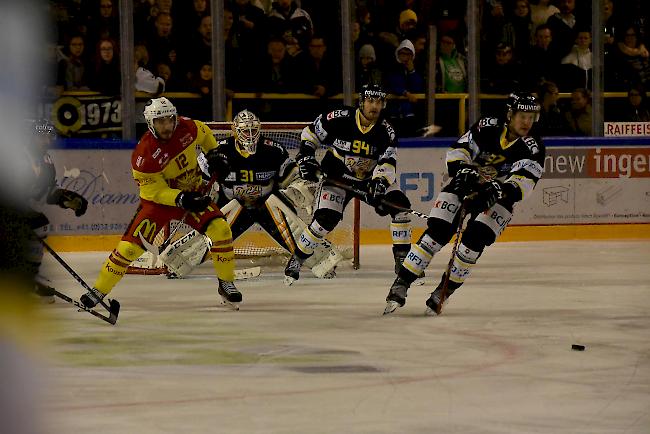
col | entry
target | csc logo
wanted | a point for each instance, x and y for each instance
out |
(418, 181)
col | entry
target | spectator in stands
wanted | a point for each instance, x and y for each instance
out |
(145, 80)
(551, 120)
(576, 67)
(421, 53)
(541, 11)
(504, 74)
(637, 108)
(249, 28)
(367, 71)
(579, 116)
(72, 74)
(173, 81)
(201, 83)
(518, 29)
(388, 41)
(105, 23)
(106, 77)
(277, 73)
(492, 29)
(291, 23)
(318, 72)
(634, 57)
(162, 43)
(405, 81)
(189, 19)
(199, 52)
(451, 74)
(541, 61)
(563, 27)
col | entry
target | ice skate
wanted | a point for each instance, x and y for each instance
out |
(230, 295)
(396, 297)
(91, 298)
(433, 302)
(292, 270)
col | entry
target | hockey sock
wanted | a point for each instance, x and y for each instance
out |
(418, 258)
(223, 255)
(115, 266)
(462, 266)
(309, 239)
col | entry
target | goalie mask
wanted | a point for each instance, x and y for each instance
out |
(157, 108)
(522, 102)
(246, 128)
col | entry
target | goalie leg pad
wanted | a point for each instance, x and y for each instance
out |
(301, 194)
(186, 253)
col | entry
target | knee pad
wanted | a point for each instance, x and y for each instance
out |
(477, 236)
(218, 230)
(396, 197)
(327, 218)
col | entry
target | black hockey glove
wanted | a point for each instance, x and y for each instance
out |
(465, 181)
(376, 191)
(218, 164)
(69, 199)
(487, 195)
(192, 201)
(308, 167)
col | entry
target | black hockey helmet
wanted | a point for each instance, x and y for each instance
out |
(371, 90)
(522, 102)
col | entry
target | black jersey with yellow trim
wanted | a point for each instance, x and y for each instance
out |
(520, 162)
(253, 178)
(353, 151)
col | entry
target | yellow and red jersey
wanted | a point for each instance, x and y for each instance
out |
(164, 168)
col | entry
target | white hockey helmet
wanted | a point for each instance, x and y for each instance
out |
(157, 108)
(246, 127)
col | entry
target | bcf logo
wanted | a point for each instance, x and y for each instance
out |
(331, 197)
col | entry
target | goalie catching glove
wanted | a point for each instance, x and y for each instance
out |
(193, 201)
(68, 199)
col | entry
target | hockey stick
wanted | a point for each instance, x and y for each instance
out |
(111, 320)
(113, 309)
(459, 230)
(364, 196)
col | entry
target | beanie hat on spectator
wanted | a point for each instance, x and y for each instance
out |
(405, 44)
(407, 15)
(367, 50)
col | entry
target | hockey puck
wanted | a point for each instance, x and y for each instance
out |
(577, 347)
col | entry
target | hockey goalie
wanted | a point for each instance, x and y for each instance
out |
(260, 184)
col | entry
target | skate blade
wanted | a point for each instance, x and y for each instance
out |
(288, 280)
(230, 305)
(430, 312)
(391, 306)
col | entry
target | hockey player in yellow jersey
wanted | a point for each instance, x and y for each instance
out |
(164, 165)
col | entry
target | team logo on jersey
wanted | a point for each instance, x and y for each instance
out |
(337, 114)
(488, 122)
(343, 145)
(139, 161)
(156, 153)
(531, 143)
(389, 129)
(232, 176)
(264, 176)
(186, 139)
(164, 160)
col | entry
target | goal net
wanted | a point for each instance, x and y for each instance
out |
(255, 244)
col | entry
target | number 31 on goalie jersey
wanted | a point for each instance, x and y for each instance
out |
(359, 145)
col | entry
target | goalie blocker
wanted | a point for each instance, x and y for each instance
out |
(189, 251)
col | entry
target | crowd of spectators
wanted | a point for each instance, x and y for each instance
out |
(291, 46)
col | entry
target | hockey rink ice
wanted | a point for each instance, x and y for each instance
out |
(319, 357)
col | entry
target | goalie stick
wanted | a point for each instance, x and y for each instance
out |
(113, 307)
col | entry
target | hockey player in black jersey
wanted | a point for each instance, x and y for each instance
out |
(498, 163)
(45, 191)
(361, 153)
(258, 183)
